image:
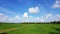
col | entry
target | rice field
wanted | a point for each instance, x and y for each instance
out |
(30, 28)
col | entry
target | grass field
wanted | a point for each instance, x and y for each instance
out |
(30, 28)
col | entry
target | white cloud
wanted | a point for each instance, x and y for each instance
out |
(37, 19)
(30, 17)
(1, 14)
(17, 17)
(11, 19)
(48, 15)
(42, 20)
(52, 17)
(47, 18)
(56, 4)
(58, 15)
(33, 10)
(4, 18)
(25, 15)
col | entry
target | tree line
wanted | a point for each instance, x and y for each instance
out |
(54, 22)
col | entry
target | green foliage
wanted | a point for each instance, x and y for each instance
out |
(55, 22)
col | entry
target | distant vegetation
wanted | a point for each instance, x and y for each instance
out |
(53, 22)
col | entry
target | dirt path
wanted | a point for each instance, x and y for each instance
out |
(6, 30)
(11, 29)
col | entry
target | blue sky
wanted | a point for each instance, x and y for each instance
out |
(29, 10)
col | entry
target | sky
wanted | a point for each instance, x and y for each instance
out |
(29, 10)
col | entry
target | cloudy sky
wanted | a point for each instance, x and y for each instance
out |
(29, 10)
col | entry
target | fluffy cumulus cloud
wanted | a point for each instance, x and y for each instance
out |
(4, 18)
(50, 17)
(40, 19)
(33, 9)
(47, 18)
(25, 15)
(56, 4)
(53, 17)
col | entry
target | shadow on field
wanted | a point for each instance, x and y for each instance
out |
(57, 31)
